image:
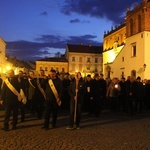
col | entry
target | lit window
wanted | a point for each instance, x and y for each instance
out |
(88, 59)
(73, 59)
(41, 68)
(133, 50)
(88, 68)
(96, 60)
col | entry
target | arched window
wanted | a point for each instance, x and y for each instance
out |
(139, 23)
(131, 27)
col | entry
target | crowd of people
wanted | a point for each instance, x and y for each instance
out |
(45, 95)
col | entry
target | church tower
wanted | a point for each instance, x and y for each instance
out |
(138, 20)
(131, 57)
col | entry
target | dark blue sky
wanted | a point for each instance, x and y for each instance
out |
(34, 29)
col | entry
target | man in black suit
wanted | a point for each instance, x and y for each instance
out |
(53, 91)
(10, 97)
(39, 94)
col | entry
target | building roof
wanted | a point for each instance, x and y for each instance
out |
(54, 59)
(85, 49)
(2, 40)
(114, 30)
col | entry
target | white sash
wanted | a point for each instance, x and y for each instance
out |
(40, 88)
(52, 86)
(24, 99)
(31, 83)
(13, 89)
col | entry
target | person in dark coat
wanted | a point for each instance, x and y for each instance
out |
(76, 91)
(53, 99)
(146, 87)
(1, 82)
(39, 94)
(30, 90)
(131, 95)
(24, 85)
(104, 88)
(113, 94)
(66, 97)
(139, 95)
(10, 100)
(88, 95)
(122, 96)
(97, 95)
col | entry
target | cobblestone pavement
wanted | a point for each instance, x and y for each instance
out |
(108, 132)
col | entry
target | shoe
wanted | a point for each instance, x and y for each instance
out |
(78, 127)
(5, 129)
(46, 128)
(69, 128)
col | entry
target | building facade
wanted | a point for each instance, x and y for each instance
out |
(2, 55)
(47, 64)
(4, 64)
(131, 58)
(86, 59)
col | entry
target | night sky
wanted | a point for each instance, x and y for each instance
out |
(34, 29)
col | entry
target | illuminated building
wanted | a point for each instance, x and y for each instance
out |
(126, 48)
(4, 65)
(60, 64)
(86, 59)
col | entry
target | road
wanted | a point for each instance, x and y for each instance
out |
(111, 131)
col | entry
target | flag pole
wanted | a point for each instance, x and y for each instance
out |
(75, 106)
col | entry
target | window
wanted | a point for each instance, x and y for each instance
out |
(88, 59)
(96, 60)
(131, 27)
(45, 68)
(41, 68)
(139, 23)
(80, 59)
(133, 50)
(122, 59)
(73, 59)
(88, 68)
(63, 69)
